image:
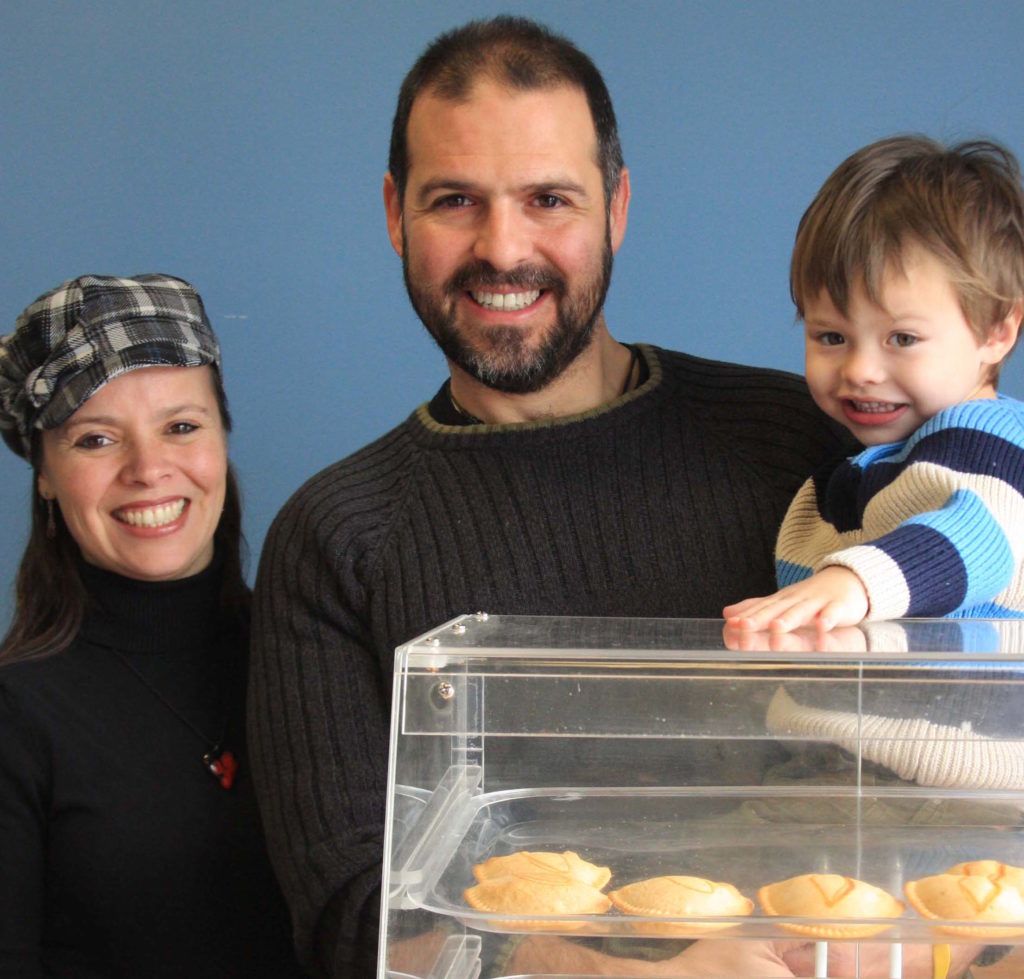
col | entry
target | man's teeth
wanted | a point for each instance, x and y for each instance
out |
(153, 516)
(874, 407)
(506, 300)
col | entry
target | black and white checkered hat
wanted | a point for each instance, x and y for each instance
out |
(75, 338)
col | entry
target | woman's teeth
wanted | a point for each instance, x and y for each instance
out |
(152, 516)
(506, 300)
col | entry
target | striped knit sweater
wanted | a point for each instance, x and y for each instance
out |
(933, 526)
(665, 502)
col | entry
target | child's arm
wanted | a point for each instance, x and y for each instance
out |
(929, 564)
(833, 597)
(943, 529)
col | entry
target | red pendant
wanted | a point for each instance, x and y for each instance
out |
(223, 767)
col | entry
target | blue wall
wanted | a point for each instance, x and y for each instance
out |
(242, 145)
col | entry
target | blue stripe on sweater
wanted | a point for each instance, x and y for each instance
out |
(983, 437)
(987, 610)
(946, 584)
(967, 527)
(959, 449)
(788, 573)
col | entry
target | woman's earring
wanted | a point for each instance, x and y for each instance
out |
(51, 523)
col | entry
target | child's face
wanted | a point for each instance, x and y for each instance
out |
(884, 370)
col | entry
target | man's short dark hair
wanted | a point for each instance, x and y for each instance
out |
(520, 54)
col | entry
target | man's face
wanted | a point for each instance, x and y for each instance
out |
(505, 239)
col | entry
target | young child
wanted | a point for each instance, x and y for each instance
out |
(908, 272)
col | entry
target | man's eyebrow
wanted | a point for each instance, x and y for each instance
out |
(549, 185)
(450, 186)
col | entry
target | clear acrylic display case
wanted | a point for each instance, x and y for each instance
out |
(886, 754)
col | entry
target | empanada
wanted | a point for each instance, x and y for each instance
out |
(967, 898)
(522, 895)
(1004, 873)
(680, 897)
(542, 865)
(829, 896)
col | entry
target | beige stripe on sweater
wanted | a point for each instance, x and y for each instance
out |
(914, 748)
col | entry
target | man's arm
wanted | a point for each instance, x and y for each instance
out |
(318, 729)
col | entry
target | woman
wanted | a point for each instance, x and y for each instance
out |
(130, 843)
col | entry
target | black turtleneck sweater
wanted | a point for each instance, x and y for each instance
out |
(120, 854)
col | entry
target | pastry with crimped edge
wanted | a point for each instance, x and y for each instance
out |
(1003, 872)
(681, 896)
(981, 904)
(830, 896)
(566, 864)
(537, 894)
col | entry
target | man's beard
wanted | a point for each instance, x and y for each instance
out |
(507, 364)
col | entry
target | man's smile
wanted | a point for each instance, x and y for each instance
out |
(506, 301)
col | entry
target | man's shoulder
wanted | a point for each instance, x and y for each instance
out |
(716, 373)
(763, 414)
(369, 479)
(738, 389)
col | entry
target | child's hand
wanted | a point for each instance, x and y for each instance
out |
(832, 597)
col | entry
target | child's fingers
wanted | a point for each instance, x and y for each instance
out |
(839, 613)
(798, 613)
(764, 613)
(739, 608)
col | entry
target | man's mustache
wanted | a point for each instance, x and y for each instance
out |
(483, 275)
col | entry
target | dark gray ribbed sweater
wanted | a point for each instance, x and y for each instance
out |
(666, 502)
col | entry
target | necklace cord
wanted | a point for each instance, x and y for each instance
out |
(218, 762)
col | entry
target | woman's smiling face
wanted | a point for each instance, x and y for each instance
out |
(139, 473)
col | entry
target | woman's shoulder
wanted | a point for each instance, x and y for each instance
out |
(41, 677)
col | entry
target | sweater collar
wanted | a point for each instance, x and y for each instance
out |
(152, 616)
(440, 418)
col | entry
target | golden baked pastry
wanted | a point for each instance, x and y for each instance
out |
(968, 898)
(513, 894)
(1004, 873)
(539, 864)
(680, 897)
(830, 896)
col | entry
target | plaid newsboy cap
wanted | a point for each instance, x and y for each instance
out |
(75, 338)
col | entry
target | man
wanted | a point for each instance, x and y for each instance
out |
(555, 472)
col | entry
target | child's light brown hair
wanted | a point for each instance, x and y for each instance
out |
(963, 203)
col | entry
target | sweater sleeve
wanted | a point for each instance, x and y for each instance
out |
(318, 713)
(945, 523)
(22, 833)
